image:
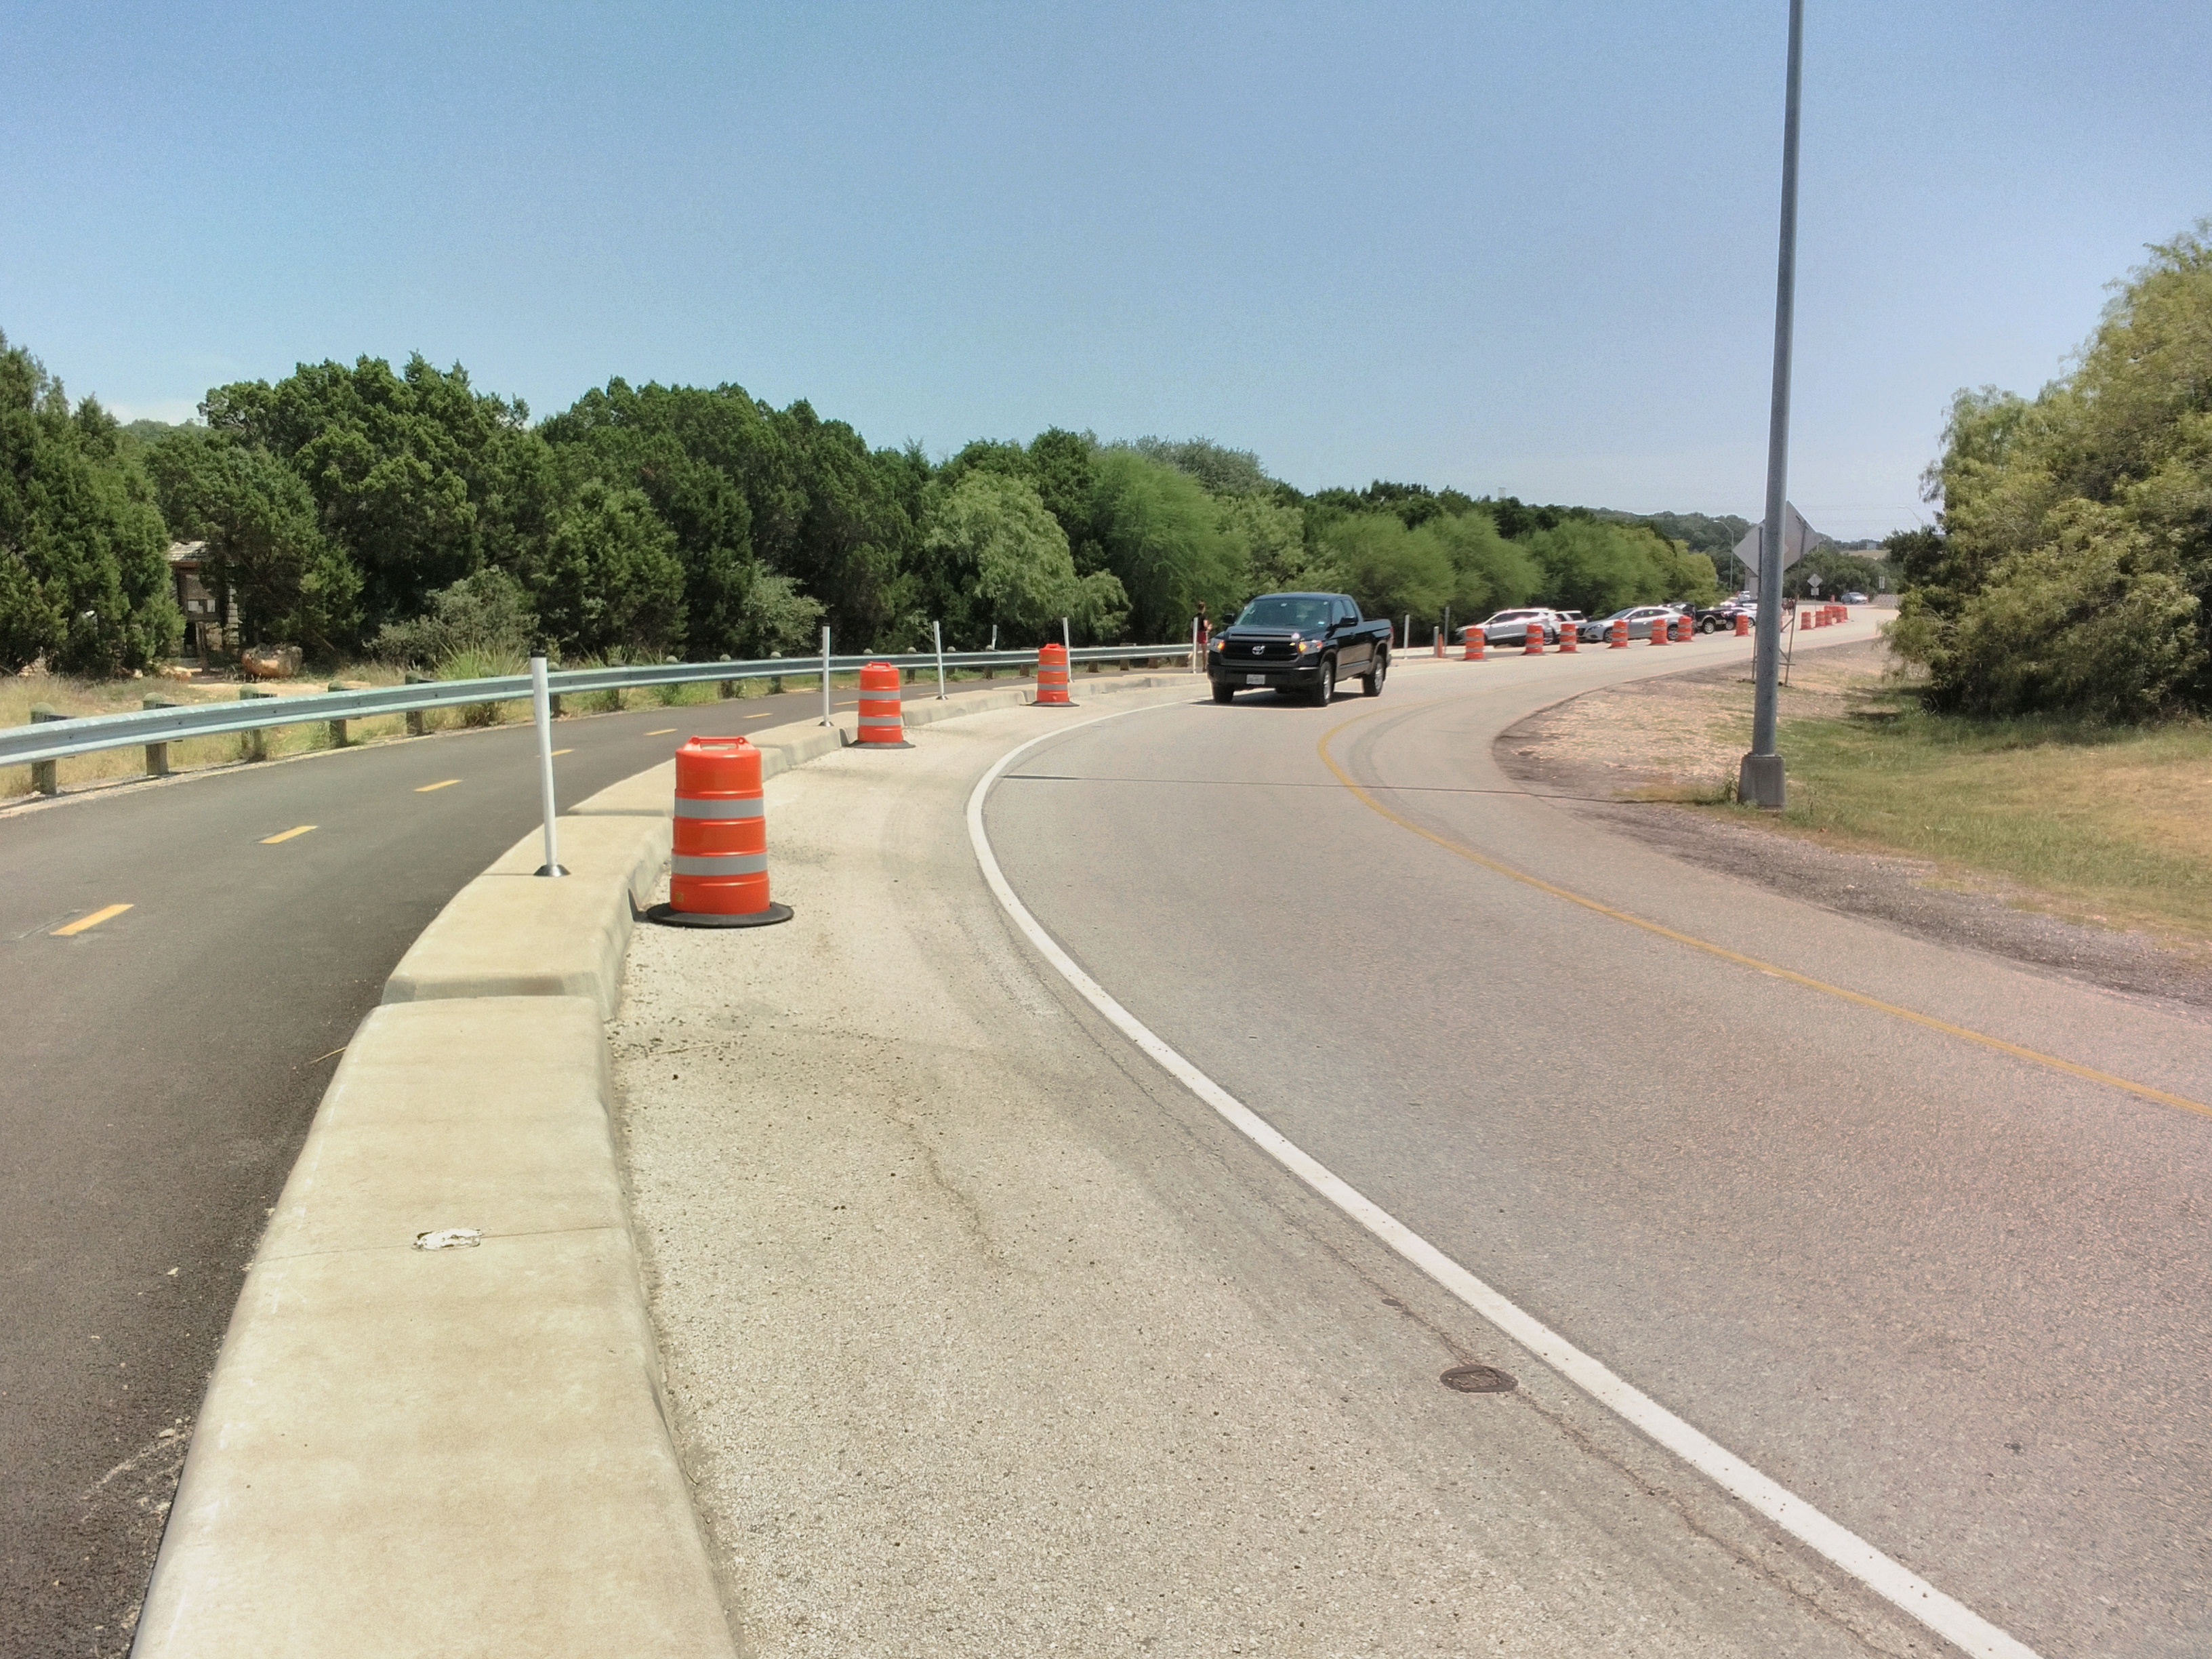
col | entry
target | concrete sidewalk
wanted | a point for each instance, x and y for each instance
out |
(984, 1337)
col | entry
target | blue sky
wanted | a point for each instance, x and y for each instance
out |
(1526, 249)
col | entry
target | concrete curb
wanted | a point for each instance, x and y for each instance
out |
(452, 1452)
(464, 1451)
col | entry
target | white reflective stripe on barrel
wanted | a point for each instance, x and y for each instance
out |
(881, 720)
(718, 809)
(720, 864)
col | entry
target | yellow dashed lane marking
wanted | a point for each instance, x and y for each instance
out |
(663, 733)
(446, 784)
(92, 920)
(564, 751)
(1965, 1033)
(298, 829)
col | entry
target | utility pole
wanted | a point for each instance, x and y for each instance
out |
(1760, 781)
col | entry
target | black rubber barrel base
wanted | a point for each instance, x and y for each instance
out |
(857, 743)
(670, 918)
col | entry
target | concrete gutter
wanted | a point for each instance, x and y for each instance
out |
(465, 1451)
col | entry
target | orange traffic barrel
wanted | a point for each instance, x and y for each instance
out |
(718, 868)
(883, 718)
(1532, 639)
(1618, 634)
(1476, 639)
(1661, 628)
(1437, 644)
(1685, 629)
(1742, 624)
(1570, 636)
(1052, 677)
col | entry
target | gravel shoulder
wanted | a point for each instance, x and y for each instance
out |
(1682, 734)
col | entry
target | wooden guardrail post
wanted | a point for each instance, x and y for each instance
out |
(157, 754)
(252, 745)
(415, 726)
(338, 728)
(43, 776)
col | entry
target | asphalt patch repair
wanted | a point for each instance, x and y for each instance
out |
(1606, 754)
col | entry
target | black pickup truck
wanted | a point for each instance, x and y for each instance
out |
(1300, 643)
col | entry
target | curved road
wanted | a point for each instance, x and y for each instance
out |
(162, 1066)
(1918, 1234)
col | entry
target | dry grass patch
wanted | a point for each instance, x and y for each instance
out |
(2111, 825)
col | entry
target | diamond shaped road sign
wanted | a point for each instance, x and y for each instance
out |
(1798, 538)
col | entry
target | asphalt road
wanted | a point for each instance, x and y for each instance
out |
(1949, 1292)
(160, 1070)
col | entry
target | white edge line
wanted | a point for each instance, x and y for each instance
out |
(1902, 1588)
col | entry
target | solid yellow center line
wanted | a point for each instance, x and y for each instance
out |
(1965, 1033)
(447, 784)
(298, 829)
(92, 920)
(663, 733)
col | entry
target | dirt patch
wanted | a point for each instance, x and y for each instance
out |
(1639, 757)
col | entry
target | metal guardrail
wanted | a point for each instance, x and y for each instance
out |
(88, 734)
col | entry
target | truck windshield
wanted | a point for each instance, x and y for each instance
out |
(1285, 611)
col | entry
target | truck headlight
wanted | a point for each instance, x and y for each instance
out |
(1306, 646)
(1216, 644)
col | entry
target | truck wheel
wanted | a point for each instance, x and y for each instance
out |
(1223, 693)
(1325, 687)
(1371, 683)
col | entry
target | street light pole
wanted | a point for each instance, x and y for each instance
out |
(1761, 780)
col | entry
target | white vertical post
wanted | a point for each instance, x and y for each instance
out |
(1196, 653)
(936, 638)
(1067, 641)
(1406, 644)
(825, 676)
(541, 708)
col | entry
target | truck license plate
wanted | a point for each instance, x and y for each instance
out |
(1256, 679)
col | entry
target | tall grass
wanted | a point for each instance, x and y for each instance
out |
(2113, 823)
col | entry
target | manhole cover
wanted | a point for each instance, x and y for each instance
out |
(1478, 1379)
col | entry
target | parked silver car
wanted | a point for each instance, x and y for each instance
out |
(1511, 626)
(1639, 618)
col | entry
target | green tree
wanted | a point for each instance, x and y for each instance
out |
(1162, 538)
(83, 582)
(609, 583)
(1597, 567)
(1388, 569)
(1218, 470)
(1488, 572)
(264, 543)
(417, 475)
(1271, 541)
(2074, 564)
(998, 559)
(1063, 467)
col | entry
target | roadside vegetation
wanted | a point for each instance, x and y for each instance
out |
(2071, 565)
(2090, 820)
(365, 513)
